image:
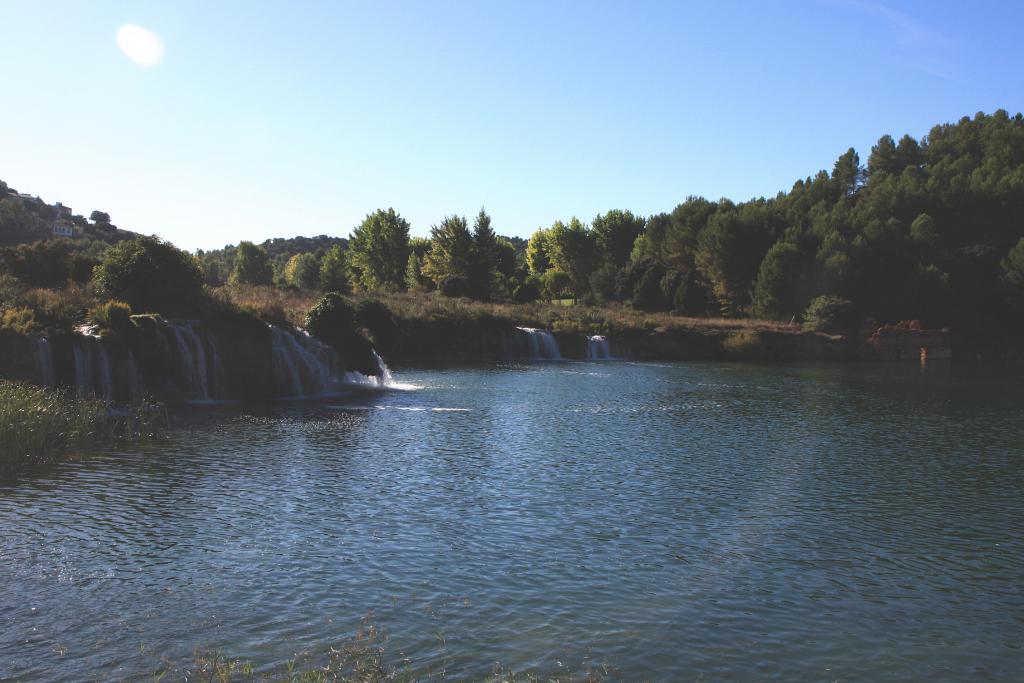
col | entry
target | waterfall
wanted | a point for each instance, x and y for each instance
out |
(94, 374)
(83, 365)
(599, 348)
(539, 344)
(104, 383)
(44, 362)
(191, 362)
(383, 380)
(302, 365)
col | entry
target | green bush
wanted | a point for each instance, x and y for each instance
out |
(527, 292)
(21, 320)
(150, 276)
(377, 318)
(333, 321)
(454, 286)
(112, 315)
(829, 313)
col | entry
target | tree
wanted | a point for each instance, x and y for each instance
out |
(647, 295)
(415, 281)
(100, 217)
(883, 157)
(848, 174)
(484, 259)
(537, 252)
(1012, 274)
(302, 271)
(615, 233)
(829, 313)
(378, 251)
(334, 271)
(775, 290)
(557, 284)
(252, 266)
(451, 247)
(150, 276)
(571, 248)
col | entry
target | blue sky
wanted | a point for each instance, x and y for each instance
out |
(275, 119)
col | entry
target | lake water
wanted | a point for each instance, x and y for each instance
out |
(674, 521)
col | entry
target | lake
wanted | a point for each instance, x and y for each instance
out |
(671, 521)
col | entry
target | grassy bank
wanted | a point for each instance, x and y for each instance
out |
(291, 305)
(37, 424)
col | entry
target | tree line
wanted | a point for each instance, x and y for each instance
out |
(931, 229)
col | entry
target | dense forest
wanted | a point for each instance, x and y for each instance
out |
(929, 229)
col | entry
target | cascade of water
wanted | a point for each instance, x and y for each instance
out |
(104, 377)
(598, 348)
(540, 344)
(133, 378)
(217, 377)
(301, 366)
(284, 365)
(192, 361)
(44, 361)
(83, 365)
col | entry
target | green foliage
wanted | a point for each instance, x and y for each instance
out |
(528, 292)
(333, 320)
(333, 274)
(252, 266)
(150, 276)
(557, 284)
(454, 285)
(20, 319)
(378, 251)
(451, 251)
(485, 258)
(647, 294)
(616, 233)
(36, 424)
(415, 280)
(111, 315)
(775, 291)
(829, 313)
(1012, 274)
(376, 317)
(303, 271)
(537, 252)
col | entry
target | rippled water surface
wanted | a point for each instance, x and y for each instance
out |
(675, 521)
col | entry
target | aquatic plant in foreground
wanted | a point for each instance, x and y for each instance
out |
(37, 423)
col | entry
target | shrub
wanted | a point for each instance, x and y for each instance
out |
(112, 315)
(150, 276)
(527, 292)
(829, 313)
(333, 321)
(377, 318)
(454, 286)
(21, 320)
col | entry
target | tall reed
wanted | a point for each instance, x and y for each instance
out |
(36, 423)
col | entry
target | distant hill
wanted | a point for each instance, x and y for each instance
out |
(25, 219)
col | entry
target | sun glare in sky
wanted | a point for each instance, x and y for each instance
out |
(140, 45)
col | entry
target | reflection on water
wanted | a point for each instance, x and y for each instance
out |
(740, 522)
